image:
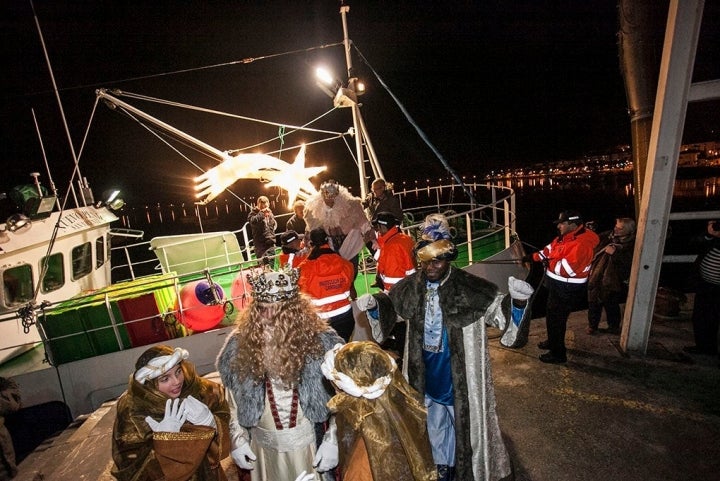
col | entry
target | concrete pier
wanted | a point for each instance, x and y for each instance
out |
(602, 416)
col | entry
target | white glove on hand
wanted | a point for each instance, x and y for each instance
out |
(305, 477)
(326, 457)
(198, 413)
(242, 453)
(173, 420)
(519, 290)
(366, 302)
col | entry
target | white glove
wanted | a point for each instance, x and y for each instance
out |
(173, 420)
(242, 453)
(327, 456)
(366, 302)
(198, 413)
(519, 290)
(305, 477)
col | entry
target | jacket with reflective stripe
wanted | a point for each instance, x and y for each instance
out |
(568, 257)
(327, 280)
(396, 259)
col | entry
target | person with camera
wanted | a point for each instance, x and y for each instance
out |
(263, 225)
(706, 308)
(609, 275)
(381, 199)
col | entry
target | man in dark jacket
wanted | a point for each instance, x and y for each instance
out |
(262, 225)
(609, 274)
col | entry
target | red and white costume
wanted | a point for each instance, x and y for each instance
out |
(395, 258)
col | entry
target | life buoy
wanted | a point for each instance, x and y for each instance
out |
(201, 308)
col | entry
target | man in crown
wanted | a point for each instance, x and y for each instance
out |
(446, 356)
(270, 365)
(341, 216)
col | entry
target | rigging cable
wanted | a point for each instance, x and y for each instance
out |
(417, 128)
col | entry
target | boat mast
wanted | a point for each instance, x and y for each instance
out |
(361, 136)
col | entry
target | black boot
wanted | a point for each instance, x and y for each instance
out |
(445, 472)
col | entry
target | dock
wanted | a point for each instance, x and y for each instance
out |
(601, 416)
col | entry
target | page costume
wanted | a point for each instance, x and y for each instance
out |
(381, 420)
(193, 454)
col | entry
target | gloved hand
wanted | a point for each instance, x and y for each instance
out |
(305, 477)
(173, 420)
(198, 413)
(519, 290)
(327, 456)
(366, 302)
(243, 455)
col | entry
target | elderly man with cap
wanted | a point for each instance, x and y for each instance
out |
(567, 260)
(446, 354)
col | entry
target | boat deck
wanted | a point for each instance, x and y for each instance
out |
(602, 415)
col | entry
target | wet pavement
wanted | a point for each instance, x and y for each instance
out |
(601, 416)
(607, 416)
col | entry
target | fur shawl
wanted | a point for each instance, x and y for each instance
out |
(346, 214)
(314, 390)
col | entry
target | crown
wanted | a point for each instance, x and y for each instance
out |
(274, 286)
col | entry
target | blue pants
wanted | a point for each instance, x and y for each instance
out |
(441, 430)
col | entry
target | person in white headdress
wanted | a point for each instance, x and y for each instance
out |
(446, 356)
(381, 420)
(171, 424)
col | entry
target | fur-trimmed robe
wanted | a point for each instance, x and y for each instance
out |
(314, 391)
(466, 301)
(345, 216)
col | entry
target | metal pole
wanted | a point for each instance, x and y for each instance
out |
(357, 121)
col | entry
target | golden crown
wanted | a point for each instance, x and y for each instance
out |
(274, 286)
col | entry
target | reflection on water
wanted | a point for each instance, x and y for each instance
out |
(601, 197)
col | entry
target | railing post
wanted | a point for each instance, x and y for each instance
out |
(468, 227)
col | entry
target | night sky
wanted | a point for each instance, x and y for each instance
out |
(493, 84)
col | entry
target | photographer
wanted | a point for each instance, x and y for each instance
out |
(609, 275)
(263, 225)
(706, 309)
(381, 199)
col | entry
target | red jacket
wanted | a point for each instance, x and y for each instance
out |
(327, 280)
(294, 258)
(395, 258)
(568, 258)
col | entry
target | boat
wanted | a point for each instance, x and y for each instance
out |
(85, 294)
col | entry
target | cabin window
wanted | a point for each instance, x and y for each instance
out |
(17, 285)
(81, 260)
(54, 277)
(99, 252)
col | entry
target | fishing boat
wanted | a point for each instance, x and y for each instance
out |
(85, 293)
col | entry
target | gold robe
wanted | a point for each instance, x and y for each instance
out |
(193, 454)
